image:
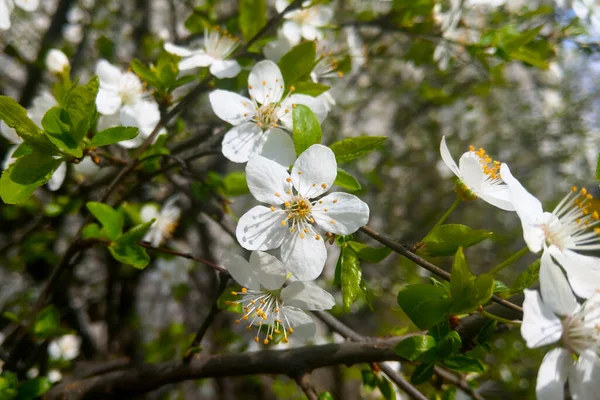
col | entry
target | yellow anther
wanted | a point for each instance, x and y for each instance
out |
(237, 321)
(285, 340)
(335, 201)
(595, 215)
(266, 341)
(244, 290)
(332, 221)
(256, 339)
(314, 184)
(287, 204)
(249, 328)
(573, 189)
(318, 237)
(299, 172)
(277, 194)
(290, 330)
(323, 185)
(312, 221)
(292, 229)
(249, 86)
(234, 293)
(325, 209)
(292, 88)
(583, 191)
(293, 106)
(270, 337)
(471, 148)
(288, 179)
(302, 236)
(264, 83)
(245, 318)
(227, 302)
(305, 230)
(272, 208)
(245, 114)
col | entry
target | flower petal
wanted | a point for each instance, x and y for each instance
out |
(292, 32)
(261, 229)
(265, 82)
(471, 173)
(341, 213)
(58, 177)
(225, 68)
(108, 74)
(553, 374)
(271, 272)
(528, 208)
(314, 103)
(303, 325)
(177, 50)
(275, 49)
(304, 257)
(555, 289)
(242, 142)
(108, 101)
(279, 147)
(540, 325)
(148, 212)
(307, 296)
(584, 377)
(198, 59)
(267, 180)
(310, 32)
(498, 196)
(314, 171)
(27, 5)
(242, 271)
(231, 107)
(5, 10)
(582, 271)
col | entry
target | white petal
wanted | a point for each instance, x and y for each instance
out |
(528, 208)
(196, 60)
(540, 325)
(304, 257)
(344, 216)
(8, 159)
(267, 180)
(303, 325)
(27, 5)
(471, 172)
(275, 49)
(584, 377)
(5, 10)
(555, 289)
(582, 271)
(314, 103)
(178, 50)
(9, 133)
(307, 296)
(280, 5)
(241, 271)
(225, 68)
(108, 101)
(279, 147)
(310, 32)
(58, 177)
(265, 82)
(314, 171)
(498, 196)
(261, 229)
(447, 158)
(231, 107)
(108, 74)
(322, 16)
(148, 212)
(271, 272)
(292, 32)
(553, 374)
(242, 142)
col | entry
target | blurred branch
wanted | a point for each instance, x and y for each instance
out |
(307, 387)
(143, 378)
(457, 381)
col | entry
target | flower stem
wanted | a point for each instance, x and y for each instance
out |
(510, 260)
(446, 215)
(499, 319)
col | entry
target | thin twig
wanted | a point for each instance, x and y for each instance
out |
(457, 381)
(184, 255)
(307, 387)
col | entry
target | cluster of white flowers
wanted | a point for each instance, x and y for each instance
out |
(7, 6)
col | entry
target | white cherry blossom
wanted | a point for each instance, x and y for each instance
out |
(272, 300)
(560, 317)
(65, 348)
(298, 215)
(57, 62)
(305, 22)
(479, 174)
(7, 6)
(166, 221)
(218, 46)
(569, 228)
(258, 119)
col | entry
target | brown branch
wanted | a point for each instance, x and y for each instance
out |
(293, 363)
(406, 252)
(184, 255)
(457, 381)
(307, 387)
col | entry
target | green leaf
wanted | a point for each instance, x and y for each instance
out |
(444, 240)
(325, 396)
(235, 184)
(370, 254)
(57, 124)
(462, 363)
(8, 384)
(423, 373)
(310, 88)
(114, 135)
(526, 278)
(468, 291)
(144, 73)
(47, 323)
(350, 276)
(306, 130)
(91, 231)
(22, 177)
(253, 16)
(127, 250)
(166, 70)
(16, 117)
(385, 387)
(33, 388)
(417, 348)
(352, 148)
(81, 106)
(426, 305)
(22, 150)
(111, 220)
(346, 181)
(297, 64)
(449, 345)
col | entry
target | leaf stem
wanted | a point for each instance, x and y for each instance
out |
(509, 260)
(499, 319)
(446, 215)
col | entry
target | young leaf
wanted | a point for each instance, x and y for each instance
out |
(114, 135)
(81, 106)
(346, 181)
(16, 117)
(350, 276)
(462, 363)
(253, 16)
(33, 388)
(352, 148)
(370, 254)
(47, 323)
(449, 345)
(235, 184)
(57, 126)
(423, 373)
(307, 129)
(417, 348)
(426, 305)
(22, 150)
(297, 64)
(526, 278)
(144, 73)
(127, 250)
(92, 231)
(468, 291)
(111, 220)
(310, 88)
(444, 240)
(385, 387)
(22, 177)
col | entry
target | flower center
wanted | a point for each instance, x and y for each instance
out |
(581, 331)
(263, 308)
(489, 167)
(267, 115)
(299, 216)
(130, 89)
(219, 44)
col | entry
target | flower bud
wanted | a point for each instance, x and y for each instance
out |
(57, 62)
